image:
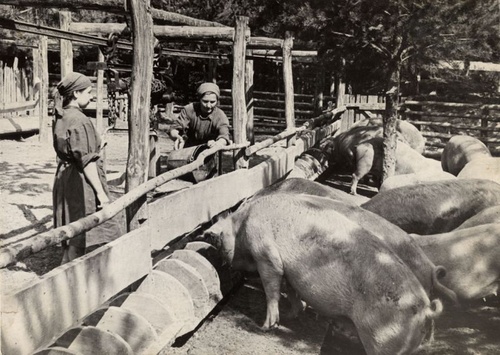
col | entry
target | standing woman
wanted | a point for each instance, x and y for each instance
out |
(80, 187)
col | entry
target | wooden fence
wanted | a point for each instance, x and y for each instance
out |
(18, 107)
(439, 121)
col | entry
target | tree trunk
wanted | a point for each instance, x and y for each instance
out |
(389, 121)
(140, 99)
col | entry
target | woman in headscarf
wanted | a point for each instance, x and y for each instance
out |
(202, 122)
(80, 187)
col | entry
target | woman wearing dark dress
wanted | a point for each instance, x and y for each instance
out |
(202, 122)
(80, 187)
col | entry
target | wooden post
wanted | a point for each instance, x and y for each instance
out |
(318, 88)
(238, 90)
(484, 124)
(212, 71)
(389, 124)
(249, 98)
(66, 46)
(288, 84)
(42, 69)
(101, 123)
(140, 99)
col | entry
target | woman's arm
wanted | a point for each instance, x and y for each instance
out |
(90, 172)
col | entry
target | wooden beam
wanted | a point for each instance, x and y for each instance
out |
(140, 99)
(238, 89)
(34, 314)
(249, 75)
(7, 107)
(114, 6)
(45, 135)
(191, 32)
(279, 53)
(66, 52)
(288, 81)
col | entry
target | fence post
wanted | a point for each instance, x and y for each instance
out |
(484, 124)
(288, 84)
(238, 90)
(45, 129)
(318, 88)
(249, 99)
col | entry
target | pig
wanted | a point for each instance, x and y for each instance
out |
(460, 150)
(369, 156)
(335, 265)
(398, 240)
(340, 148)
(309, 187)
(482, 168)
(415, 178)
(434, 207)
(471, 257)
(406, 132)
(488, 215)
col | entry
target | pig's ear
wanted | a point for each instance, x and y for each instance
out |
(213, 238)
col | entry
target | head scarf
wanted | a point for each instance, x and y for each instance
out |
(208, 87)
(73, 82)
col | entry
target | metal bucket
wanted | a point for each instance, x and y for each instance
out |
(181, 157)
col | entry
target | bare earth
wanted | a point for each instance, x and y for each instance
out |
(28, 169)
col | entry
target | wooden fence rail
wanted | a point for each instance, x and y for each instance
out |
(439, 121)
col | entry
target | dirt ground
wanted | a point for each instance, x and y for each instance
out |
(28, 168)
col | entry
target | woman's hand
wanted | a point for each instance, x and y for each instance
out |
(220, 143)
(179, 143)
(103, 200)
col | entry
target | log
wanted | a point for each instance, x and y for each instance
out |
(140, 99)
(279, 53)
(114, 6)
(45, 132)
(66, 52)
(189, 32)
(238, 89)
(288, 81)
(270, 141)
(7, 107)
(249, 75)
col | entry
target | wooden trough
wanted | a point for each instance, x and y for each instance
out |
(115, 300)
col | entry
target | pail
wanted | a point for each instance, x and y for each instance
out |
(181, 157)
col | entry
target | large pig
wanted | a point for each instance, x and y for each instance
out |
(335, 265)
(471, 257)
(406, 132)
(341, 147)
(369, 158)
(482, 168)
(460, 150)
(398, 240)
(309, 187)
(434, 207)
(486, 216)
(415, 178)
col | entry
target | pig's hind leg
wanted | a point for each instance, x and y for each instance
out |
(271, 271)
(364, 154)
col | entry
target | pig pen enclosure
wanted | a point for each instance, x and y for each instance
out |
(157, 289)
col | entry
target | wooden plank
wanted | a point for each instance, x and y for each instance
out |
(6, 107)
(35, 313)
(19, 124)
(456, 126)
(250, 101)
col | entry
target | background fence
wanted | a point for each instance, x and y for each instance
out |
(439, 121)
